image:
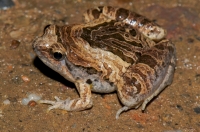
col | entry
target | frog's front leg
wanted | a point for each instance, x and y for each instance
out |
(82, 103)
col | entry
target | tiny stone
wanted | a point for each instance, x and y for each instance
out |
(190, 40)
(25, 78)
(197, 110)
(14, 44)
(32, 103)
(6, 102)
(179, 107)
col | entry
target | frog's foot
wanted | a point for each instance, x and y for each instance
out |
(69, 105)
(58, 104)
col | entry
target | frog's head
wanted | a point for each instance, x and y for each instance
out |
(51, 51)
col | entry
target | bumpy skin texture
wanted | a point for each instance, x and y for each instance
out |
(115, 50)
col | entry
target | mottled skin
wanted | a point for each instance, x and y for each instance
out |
(115, 50)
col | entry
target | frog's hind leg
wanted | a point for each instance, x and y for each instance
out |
(146, 79)
(134, 93)
(166, 81)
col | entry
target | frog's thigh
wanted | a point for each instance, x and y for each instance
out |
(166, 81)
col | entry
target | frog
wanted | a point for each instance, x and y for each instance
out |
(114, 50)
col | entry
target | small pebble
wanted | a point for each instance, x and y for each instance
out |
(179, 107)
(6, 102)
(10, 68)
(197, 110)
(16, 33)
(25, 78)
(190, 40)
(14, 44)
(32, 103)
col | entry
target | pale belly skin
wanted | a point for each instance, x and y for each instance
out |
(115, 50)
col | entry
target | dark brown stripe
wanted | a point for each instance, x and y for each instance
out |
(128, 86)
(138, 54)
(160, 46)
(91, 70)
(100, 8)
(135, 16)
(58, 33)
(145, 21)
(121, 14)
(110, 9)
(67, 39)
(148, 60)
(133, 32)
(112, 38)
(156, 53)
(121, 54)
(96, 13)
(143, 76)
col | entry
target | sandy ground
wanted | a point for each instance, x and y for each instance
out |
(176, 109)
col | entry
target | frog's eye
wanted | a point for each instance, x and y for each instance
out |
(58, 55)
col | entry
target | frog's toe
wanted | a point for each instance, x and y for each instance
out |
(46, 102)
(125, 108)
(58, 104)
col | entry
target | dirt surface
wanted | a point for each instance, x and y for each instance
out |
(176, 109)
